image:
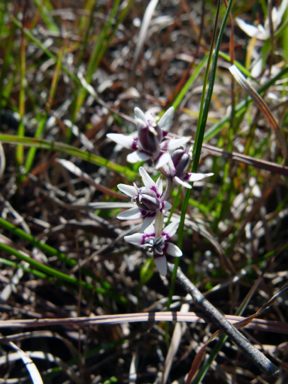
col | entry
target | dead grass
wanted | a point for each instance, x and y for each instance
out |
(73, 64)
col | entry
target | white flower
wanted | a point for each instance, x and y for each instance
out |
(260, 32)
(150, 144)
(147, 199)
(157, 245)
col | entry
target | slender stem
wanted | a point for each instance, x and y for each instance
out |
(168, 189)
(258, 358)
(160, 217)
(159, 224)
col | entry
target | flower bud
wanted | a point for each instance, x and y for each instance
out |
(150, 137)
(181, 161)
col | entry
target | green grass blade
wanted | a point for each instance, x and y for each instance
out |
(38, 43)
(71, 151)
(48, 250)
(42, 122)
(96, 57)
(44, 8)
(189, 82)
(35, 272)
(199, 139)
(85, 27)
(6, 62)
(100, 48)
(50, 271)
(21, 128)
(32, 151)
(242, 107)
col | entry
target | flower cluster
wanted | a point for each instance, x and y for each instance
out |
(150, 143)
(151, 202)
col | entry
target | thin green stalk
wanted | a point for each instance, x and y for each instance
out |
(45, 8)
(95, 58)
(6, 62)
(6, 91)
(38, 43)
(203, 117)
(50, 251)
(242, 107)
(203, 370)
(32, 150)
(199, 137)
(189, 82)
(21, 128)
(100, 48)
(25, 268)
(56, 75)
(50, 271)
(41, 125)
(90, 6)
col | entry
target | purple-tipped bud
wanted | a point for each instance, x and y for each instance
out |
(150, 137)
(181, 161)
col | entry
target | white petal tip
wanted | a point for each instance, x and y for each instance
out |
(162, 160)
(130, 214)
(161, 265)
(137, 156)
(173, 250)
(124, 141)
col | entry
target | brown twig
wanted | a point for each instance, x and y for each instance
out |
(258, 358)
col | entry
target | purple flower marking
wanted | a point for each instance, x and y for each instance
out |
(157, 245)
(150, 144)
(147, 200)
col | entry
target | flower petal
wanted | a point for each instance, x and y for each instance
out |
(136, 239)
(150, 231)
(161, 264)
(173, 250)
(127, 189)
(195, 176)
(166, 120)
(162, 159)
(148, 182)
(170, 145)
(259, 32)
(130, 214)
(140, 117)
(166, 206)
(147, 221)
(159, 187)
(181, 182)
(170, 230)
(123, 140)
(151, 122)
(279, 13)
(136, 156)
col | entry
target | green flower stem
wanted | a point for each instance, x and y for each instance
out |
(198, 140)
(159, 224)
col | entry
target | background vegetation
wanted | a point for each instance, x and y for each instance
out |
(73, 71)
